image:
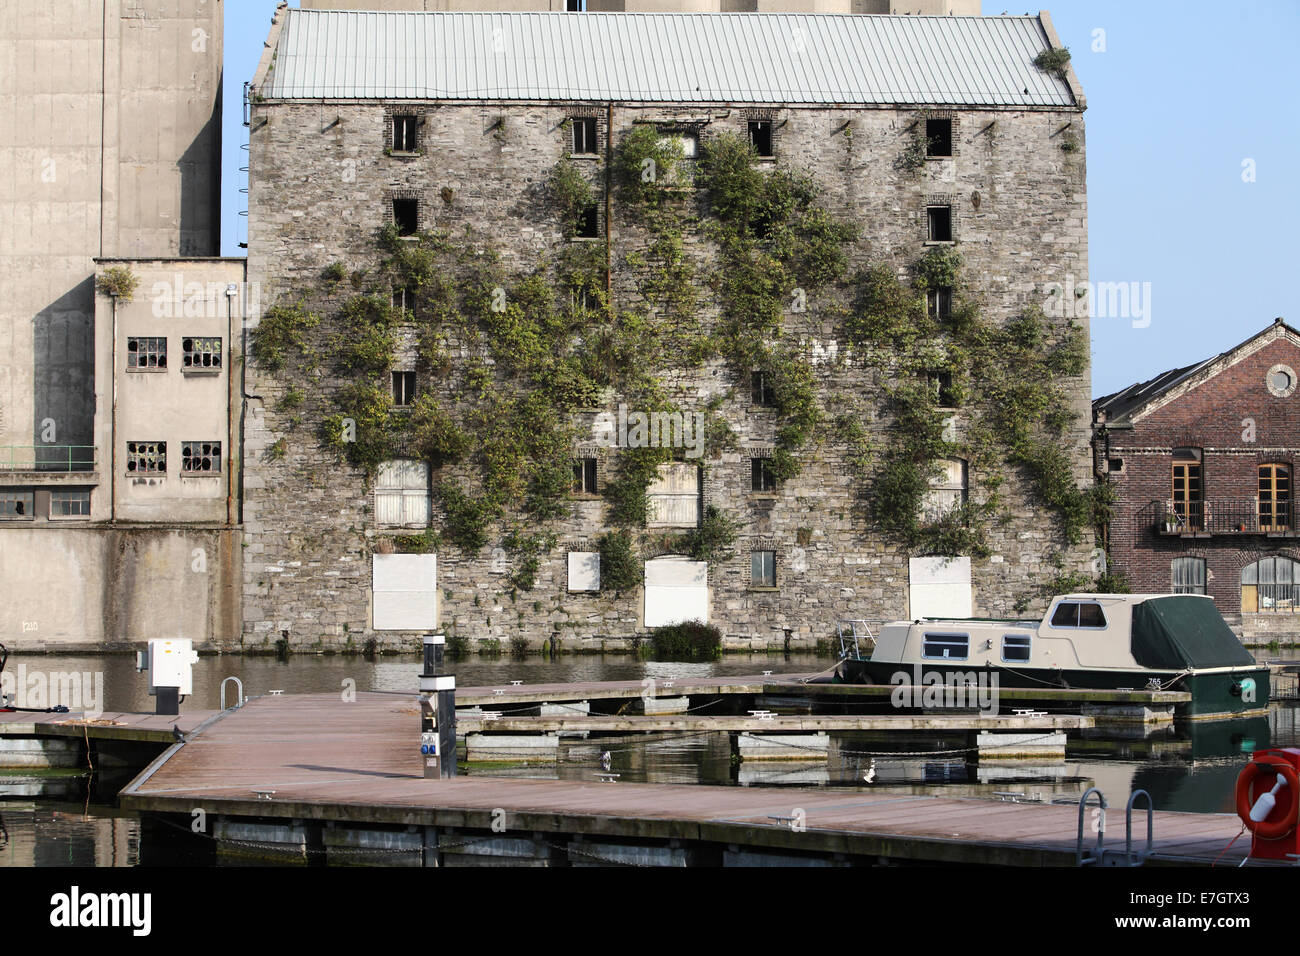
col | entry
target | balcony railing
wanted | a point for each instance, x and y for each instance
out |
(1222, 516)
(56, 458)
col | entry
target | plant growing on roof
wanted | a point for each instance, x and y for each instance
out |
(119, 282)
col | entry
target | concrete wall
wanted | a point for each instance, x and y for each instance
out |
(318, 196)
(176, 300)
(110, 145)
(87, 588)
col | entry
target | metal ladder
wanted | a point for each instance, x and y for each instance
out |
(1100, 856)
(850, 642)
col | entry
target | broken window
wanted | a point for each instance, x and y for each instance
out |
(72, 503)
(588, 223)
(402, 494)
(675, 496)
(938, 303)
(947, 490)
(940, 383)
(404, 299)
(938, 137)
(584, 135)
(146, 352)
(761, 390)
(762, 569)
(16, 503)
(201, 352)
(403, 388)
(200, 457)
(406, 134)
(761, 477)
(406, 216)
(146, 457)
(760, 137)
(940, 223)
(584, 476)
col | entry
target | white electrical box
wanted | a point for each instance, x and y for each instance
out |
(170, 665)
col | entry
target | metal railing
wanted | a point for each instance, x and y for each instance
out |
(1222, 516)
(47, 458)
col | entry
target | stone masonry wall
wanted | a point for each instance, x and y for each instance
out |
(318, 195)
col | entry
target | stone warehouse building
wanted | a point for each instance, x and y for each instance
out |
(110, 159)
(1202, 461)
(579, 325)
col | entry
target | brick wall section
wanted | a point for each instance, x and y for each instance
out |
(318, 179)
(1213, 411)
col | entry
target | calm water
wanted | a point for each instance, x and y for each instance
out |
(62, 818)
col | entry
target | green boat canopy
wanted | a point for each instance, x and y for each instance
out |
(1182, 632)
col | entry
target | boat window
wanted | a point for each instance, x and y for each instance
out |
(1015, 647)
(955, 647)
(1071, 614)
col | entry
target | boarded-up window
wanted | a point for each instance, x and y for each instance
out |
(939, 587)
(947, 490)
(402, 494)
(676, 590)
(584, 570)
(405, 588)
(675, 496)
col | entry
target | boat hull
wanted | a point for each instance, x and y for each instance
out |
(1215, 693)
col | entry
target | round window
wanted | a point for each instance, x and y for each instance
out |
(1281, 380)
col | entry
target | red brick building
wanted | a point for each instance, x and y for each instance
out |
(1202, 460)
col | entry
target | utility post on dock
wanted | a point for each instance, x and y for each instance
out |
(437, 711)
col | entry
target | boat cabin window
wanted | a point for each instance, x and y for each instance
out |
(1015, 648)
(953, 647)
(1078, 614)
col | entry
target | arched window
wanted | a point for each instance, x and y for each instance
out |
(1271, 585)
(1188, 575)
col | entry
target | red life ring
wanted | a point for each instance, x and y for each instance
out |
(1266, 830)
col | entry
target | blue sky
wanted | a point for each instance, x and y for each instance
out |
(1180, 95)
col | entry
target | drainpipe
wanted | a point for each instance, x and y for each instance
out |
(112, 427)
(232, 290)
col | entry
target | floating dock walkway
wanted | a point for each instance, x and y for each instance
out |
(315, 778)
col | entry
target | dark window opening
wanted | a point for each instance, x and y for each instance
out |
(945, 646)
(761, 476)
(404, 299)
(760, 135)
(1015, 647)
(406, 216)
(587, 225)
(405, 134)
(403, 388)
(761, 390)
(941, 388)
(584, 476)
(940, 220)
(574, 6)
(938, 137)
(1115, 464)
(584, 135)
(938, 303)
